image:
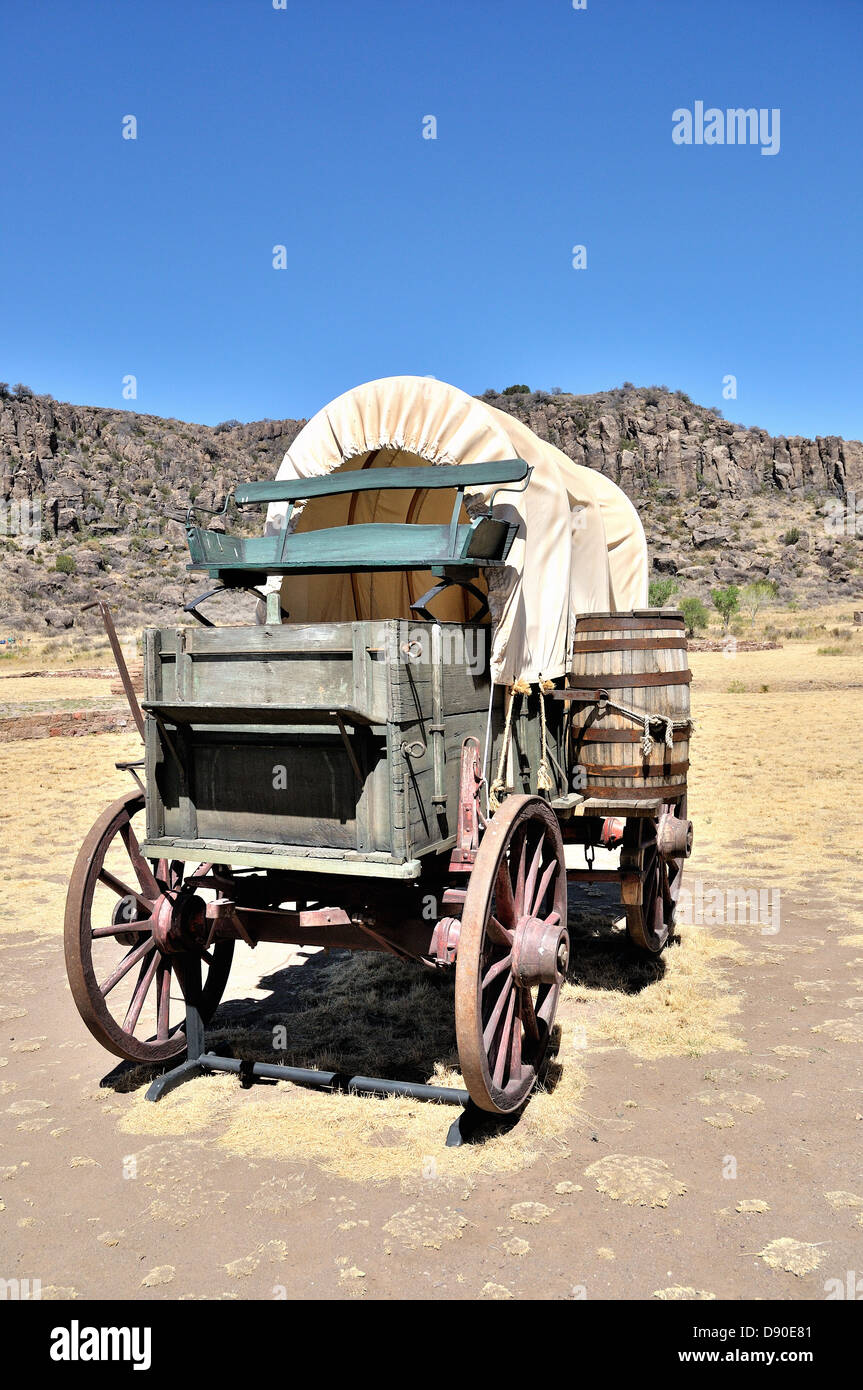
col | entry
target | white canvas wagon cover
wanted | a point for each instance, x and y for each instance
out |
(579, 548)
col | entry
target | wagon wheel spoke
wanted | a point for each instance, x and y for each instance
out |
(490, 1029)
(534, 870)
(528, 1015)
(146, 976)
(139, 863)
(123, 890)
(163, 994)
(495, 970)
(135, 924)
(541, 891)
(519, 882)
(505, 1042)
(135, 954)
(504, 900)
(665, 884)
(498, 932)
(515, 1053)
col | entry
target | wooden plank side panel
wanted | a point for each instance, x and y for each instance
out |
(280, 786)
(301, 666)
(464, 660)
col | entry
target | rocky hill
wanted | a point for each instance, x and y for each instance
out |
(721, 503)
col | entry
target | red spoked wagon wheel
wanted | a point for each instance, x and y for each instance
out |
(651, 867)
(513, 952)
(120, 962)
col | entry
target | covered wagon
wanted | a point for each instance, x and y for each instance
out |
(448, 673)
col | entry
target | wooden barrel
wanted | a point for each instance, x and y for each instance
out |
(640, 659)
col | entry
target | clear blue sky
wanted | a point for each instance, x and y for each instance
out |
(447, 257)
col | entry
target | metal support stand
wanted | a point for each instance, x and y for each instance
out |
(199, 1062)
(463, 1129)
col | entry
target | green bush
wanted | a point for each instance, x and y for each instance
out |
(726, 602)
(695, 615)
(517, 390)
(65, 564)
(660, 591)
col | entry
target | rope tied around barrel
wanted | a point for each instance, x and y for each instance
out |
(647, 740)
(645, 718)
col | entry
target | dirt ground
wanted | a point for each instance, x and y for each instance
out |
(700, 1136)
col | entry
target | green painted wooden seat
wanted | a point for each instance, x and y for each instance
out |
(453, 547)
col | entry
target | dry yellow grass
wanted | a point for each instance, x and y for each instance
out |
(774, 774)
(796, 666)
(685, 1010)
(776, 782)
(355, 1135)
(51, 791)
(50, 691)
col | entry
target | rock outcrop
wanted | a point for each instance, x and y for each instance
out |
(92, 500)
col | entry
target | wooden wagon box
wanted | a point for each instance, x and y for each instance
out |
(341, 741)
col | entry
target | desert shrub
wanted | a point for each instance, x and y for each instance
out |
(521, 390)
(65, 564)
(755, 596)
(695, 615)
(726, 602)
(660, 591)
(792, 536)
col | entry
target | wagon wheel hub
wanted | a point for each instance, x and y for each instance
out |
(540, 952)
(179, 922)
